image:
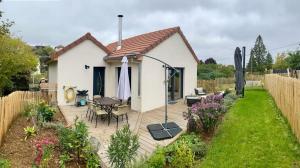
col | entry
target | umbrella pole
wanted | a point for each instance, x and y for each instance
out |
(166, 97)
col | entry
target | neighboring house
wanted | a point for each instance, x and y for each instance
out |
(88, 64)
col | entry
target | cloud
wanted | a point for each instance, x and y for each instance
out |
(214, 28)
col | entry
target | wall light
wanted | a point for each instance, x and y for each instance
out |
(86, 67)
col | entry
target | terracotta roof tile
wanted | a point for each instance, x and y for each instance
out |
(146, 42)
(137, 44)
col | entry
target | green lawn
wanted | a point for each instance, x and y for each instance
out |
(253, 134)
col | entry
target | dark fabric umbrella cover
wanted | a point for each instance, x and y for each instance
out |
(238, 71)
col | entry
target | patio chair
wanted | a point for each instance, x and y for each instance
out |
(199, 91)
(121, 111)
(89, 110)
(97, 111)
(97, 97)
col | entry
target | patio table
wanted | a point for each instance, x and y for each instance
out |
(107, 104)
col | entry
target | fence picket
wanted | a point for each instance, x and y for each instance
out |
(286, 93)
(11, 106)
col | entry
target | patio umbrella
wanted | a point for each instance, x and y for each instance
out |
(238, 71)
(124, 86)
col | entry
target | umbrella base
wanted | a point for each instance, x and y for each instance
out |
(163, 131)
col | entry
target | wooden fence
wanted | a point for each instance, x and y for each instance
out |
(49, 92)
(224, 83)
(286, 93)
(13, 105)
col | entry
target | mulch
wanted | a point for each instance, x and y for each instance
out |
(21, 153)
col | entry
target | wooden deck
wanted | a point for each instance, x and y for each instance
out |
(137, 121)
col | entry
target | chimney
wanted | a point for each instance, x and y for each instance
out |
(119, 46)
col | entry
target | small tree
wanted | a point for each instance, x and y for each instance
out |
(293, 59)
(122, 148)
(210, 61)
(269, 61)
(280, 62)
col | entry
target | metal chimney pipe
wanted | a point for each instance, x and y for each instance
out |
(119, 46)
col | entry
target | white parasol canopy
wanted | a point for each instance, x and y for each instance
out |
(124, 86)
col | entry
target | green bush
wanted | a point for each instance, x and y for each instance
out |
(183, 156)
(229, 100)
(45, 112)
(4, 163)
(74, 141)
(179, 154)
(30, 110)
(92, 158)
(122, 148)
(157, 160)
(197, 146)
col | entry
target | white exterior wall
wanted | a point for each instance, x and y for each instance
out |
(113, 83)
(71, 69)
(52, 72)
(174, 52)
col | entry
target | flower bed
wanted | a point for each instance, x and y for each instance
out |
(39, 139)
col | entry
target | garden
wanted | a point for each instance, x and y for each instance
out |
(222, 131)
(230, 132)
(39, 138)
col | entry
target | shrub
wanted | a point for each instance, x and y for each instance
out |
(208, 111)
(122, 148)
(92, 157)
(45, 112)
(192, 125)
(29, 131)
(30, 110)
(229, 100)
(157, 160)
(183, 156)
(197, 146)
(4, 163)
(74, 141)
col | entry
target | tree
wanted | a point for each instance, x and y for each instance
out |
(5, 25)
(269, 61)
(16, 58)
(252, 64)
(293, 60)
(212, 71)
(280, 62)
(44, 53)
(258, 56)
(210, 61)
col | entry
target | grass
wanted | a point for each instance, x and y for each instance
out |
(253, 134)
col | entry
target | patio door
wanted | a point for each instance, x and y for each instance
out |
(175, 84)
(99, 82)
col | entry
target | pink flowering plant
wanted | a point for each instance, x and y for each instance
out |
(208, 111)
(44, 150)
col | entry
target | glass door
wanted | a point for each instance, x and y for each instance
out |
(175, 84)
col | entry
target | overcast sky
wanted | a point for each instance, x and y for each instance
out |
(214, 28)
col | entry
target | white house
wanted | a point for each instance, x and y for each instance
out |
(89, 65)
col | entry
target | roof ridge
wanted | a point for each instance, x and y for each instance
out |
(87, 36)
(156, 31)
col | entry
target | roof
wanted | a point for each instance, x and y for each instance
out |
(138, 44)
(87, 36)
(145, 42)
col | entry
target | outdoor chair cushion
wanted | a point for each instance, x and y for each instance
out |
(119, 112)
